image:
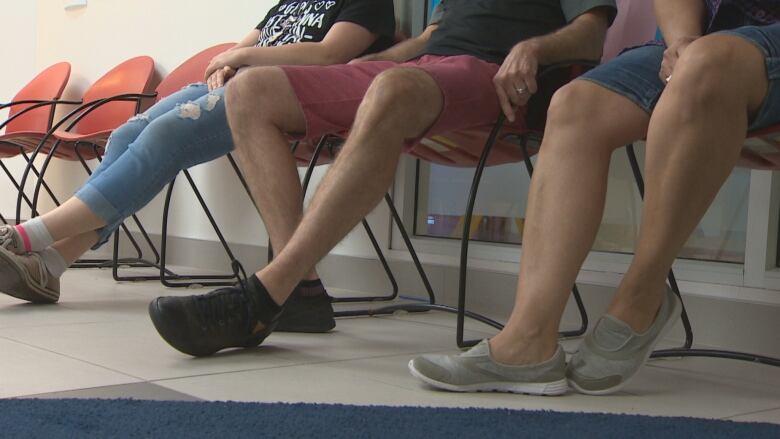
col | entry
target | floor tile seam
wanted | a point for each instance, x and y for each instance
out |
(71, 357)
(751, 413)
(418, 323)
(55, 325)
(33, 395)
(259, 369)
(700, 373)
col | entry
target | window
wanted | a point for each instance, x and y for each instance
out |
(499, 212)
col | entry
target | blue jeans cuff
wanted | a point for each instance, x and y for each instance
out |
(101, 207)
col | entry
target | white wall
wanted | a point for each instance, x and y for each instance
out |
(18, 49)
(106, 32)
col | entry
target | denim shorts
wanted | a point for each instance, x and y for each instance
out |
(634, 74)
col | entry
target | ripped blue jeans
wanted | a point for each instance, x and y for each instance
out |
(142, 156)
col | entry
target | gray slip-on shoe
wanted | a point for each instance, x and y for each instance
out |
(475, 371)
(26, 277)
(613, 353)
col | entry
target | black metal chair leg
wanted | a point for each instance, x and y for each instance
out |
(15, 183)
(374, 243)
(466, 237)
(686, 350)
(43, 182)
(388, 272)
(185, 281)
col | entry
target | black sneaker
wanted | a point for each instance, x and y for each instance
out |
(204, 324)
(309, 314)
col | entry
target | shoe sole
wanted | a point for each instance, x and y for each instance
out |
(23, 286)
(159, 325)
(554, 388)
(667, 327)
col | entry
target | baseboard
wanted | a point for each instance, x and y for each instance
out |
(717, 322)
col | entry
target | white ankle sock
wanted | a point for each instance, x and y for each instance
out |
(35, 235)
(53, 261)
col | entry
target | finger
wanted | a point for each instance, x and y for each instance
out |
(220, 80)
(229, 73)
(531, 87)
(506, 105)
(209, 71)
(665, 72)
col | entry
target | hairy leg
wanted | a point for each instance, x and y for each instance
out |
(400, 104)
(695, 136)
(259, 125)
(565, 207)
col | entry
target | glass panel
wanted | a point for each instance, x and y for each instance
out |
(499, 212)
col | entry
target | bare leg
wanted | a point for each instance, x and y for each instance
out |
(695, 136)
(401, 103)
(565, 207)
(72, 218)
(263, 148)
(72, 248)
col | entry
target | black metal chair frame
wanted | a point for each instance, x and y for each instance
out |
(33, 105)
(75, 116)
(687, 349)
(173, 280)
(170, 279)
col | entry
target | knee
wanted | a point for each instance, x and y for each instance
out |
(402, 91)
(706, 74)
(572, 105)
(574, 108)
(252, 89)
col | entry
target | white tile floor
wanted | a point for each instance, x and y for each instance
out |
(98, 342)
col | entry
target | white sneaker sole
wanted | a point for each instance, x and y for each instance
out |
(676, 312)
(554, 388)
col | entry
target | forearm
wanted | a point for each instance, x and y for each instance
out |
(582, 39)
(289, 54)
(407, 48)
(249, 40)
(680, 18)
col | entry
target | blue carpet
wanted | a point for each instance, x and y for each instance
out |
(150, 419)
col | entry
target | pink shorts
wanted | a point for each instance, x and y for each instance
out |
(330, 95)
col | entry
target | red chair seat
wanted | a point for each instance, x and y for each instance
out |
(762, 149)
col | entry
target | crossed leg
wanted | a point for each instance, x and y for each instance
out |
(400, 104)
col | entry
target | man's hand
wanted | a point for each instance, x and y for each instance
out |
(671, 55)
(225, 59)
(516, 79)
(220, 77)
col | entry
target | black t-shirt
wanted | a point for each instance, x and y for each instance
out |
(488, 29)
(297, 21)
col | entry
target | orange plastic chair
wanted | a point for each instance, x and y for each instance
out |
(83, 133)
(109, 102)
(31, 115)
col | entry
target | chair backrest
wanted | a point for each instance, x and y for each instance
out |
(635, 24)
(190, 71)
(47, 85)
(131, 76)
